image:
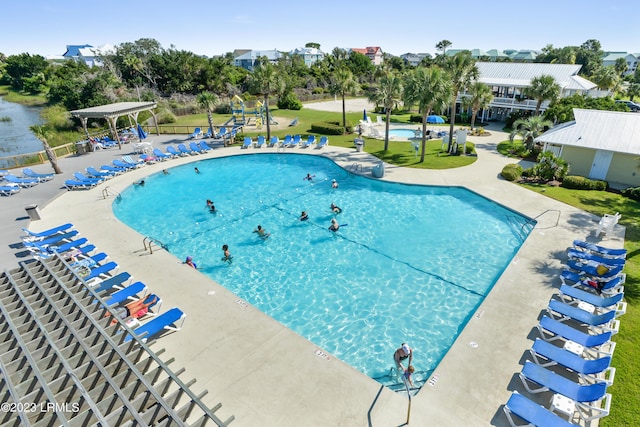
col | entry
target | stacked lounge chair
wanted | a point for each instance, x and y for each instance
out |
(572, 357)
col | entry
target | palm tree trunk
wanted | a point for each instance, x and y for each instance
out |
(538, 105)
(386, 129)
(424, 134)
(266, 106)
(473, 118)
(344, 115)
(52, 158)
(210, 119)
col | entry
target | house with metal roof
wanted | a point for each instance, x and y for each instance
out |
(309, 55)
(508, 81)
(610, 58)
(249, 59)
(414, 59)
(602, 145)
(92, 56)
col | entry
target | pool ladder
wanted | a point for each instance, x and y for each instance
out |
(108, 191)
(355, 168)
(149, 241)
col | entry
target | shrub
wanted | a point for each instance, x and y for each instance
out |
(512, 172)
(289, 101)
(550, 167)
(516, 115)
(632, 193)
(581, 183)
(329, 128)
(415, 118)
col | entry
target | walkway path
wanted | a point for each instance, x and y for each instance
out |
(265, 374)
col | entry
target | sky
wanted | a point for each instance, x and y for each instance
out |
(210, 27)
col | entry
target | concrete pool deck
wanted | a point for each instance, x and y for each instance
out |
(267, 375)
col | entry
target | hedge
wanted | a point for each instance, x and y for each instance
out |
(330, 128)
(581, 183)
(632, 193)
(512, 172)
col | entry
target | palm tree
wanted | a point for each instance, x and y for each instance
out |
(208, 101)
(543, 87)
(443, 45)
(388, 94)
(43, 133)
(481, 97)
(529, 129)
(429, 88)
(633, 90)
(265, 80)
(461, 69)
(343, 82)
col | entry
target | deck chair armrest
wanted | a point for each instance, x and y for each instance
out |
(590, 412)
(532, 390)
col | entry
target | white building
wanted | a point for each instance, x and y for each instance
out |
(310, 55)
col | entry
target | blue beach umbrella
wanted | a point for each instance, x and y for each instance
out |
(141, 133)
(435, 119)
(364, 115)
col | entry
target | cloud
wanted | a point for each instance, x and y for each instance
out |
(241, 19)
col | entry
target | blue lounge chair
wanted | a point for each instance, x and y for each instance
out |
(9, 190)
(94, 173)
(79, 176)
(31, 235)
(260, 142)
(130, 161)
(601, 250)
(204, 146)
(294, 122)
(71, 184)
(554, 355)
(274, 142)
(51, 240)
(120, 164)
(592, 269)
(196, 133)
(311, 140)
(532, 413)
(115, 282)
(22, 182)
(160, 155)
(101, 271)
(195, 147)
(172, 151)
(89, 261)
(248, 142)
(166, 321)
(286, 142)
(111, 168)
(39, 176)
(582, 256)
(569, 294)
(566, 312)
(323, 142)
(551, 330)
(585, 396)
(297, 140)
(578, 279)
(63, 248)
(208, 134)
(126, 293)
(3, 172)
(184, 150)
(222, 133)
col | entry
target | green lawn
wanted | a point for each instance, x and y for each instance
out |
(626, 388)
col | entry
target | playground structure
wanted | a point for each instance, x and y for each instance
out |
(240, 116)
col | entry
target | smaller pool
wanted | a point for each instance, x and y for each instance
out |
(405, 133)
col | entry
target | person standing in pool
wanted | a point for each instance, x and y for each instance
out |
(211, 206)
(262, 233)
(304, 216)
(403, 353)
(335, 208)
(196, 170)
(227, 255)
(334, 225)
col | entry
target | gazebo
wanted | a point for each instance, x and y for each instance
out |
(111, 112)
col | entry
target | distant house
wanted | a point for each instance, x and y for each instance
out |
(610, 58)
(91, 56)
(602, 145)
(374, 53)
(524, 56)
(247, 59)
(308, 54)
(508, 80)
(475, 53)
(497, 55)
(414, 59)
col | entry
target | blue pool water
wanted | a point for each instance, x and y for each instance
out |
(411, 264)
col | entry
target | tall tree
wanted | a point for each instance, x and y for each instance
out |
(481, 97)
(429, 88)
(543, 87)
(342, 84)
(606, 78)
(265, 80)
(529, 129)
(633, 90)
(461, 69)
(388, 94)
(208, 102)
(443, 45)
(43, 134)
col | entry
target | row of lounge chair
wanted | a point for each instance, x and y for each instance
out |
(288, 142)
(12, 184)
(93, 177)
(575, 339)
(222, 133)
(102, 276)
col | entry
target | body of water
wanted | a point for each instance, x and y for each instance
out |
(15, 135)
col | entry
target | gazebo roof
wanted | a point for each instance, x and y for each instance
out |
(114, 110)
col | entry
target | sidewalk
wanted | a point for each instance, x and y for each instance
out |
(265, 374)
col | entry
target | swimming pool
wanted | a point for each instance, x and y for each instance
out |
(410, 263)
(405, 133)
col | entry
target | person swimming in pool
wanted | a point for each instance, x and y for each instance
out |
(211, 206)
(335, 208)
(190, 263)
(262, 233)
(304, 216)
(334, 184)
(227, 255)
(334, 225)
(309, 177)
